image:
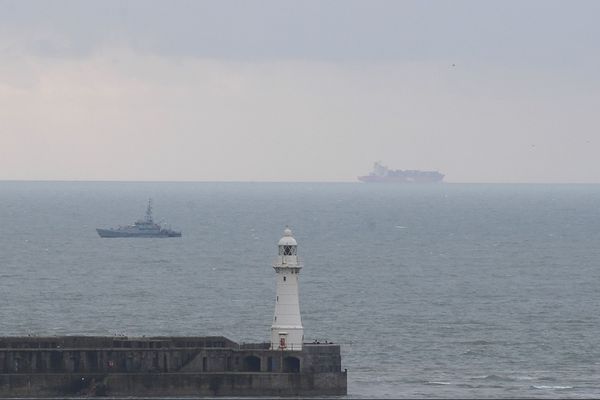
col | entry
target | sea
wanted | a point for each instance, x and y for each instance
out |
(433, 291)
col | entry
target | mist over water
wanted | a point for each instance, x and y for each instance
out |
(433, 290)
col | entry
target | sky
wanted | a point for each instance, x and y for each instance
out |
(483, 91)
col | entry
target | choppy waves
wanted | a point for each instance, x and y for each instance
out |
(433, 291)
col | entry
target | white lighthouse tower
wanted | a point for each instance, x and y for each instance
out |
(287, 332)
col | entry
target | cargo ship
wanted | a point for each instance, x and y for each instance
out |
(382, 174)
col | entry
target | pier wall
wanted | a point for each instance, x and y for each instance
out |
(172, 384)
(164, 366)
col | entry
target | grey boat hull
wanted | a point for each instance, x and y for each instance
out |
(110, 233)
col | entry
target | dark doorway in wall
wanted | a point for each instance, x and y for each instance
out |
(252, 364)
(291, 364)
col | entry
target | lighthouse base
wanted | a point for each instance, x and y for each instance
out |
(71, 366)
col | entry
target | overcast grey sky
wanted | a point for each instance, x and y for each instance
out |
(299, 90)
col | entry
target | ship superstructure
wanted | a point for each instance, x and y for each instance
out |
(382, 174)
(143, 228)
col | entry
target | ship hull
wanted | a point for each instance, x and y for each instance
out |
(109, 233)
(398, 179)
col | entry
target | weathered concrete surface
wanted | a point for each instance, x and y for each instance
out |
(172, 384)
(164, 366)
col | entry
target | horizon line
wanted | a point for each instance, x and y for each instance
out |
(307, 181)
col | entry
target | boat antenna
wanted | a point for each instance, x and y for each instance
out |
(149, 211)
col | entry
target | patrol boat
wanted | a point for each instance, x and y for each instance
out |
(144, 228)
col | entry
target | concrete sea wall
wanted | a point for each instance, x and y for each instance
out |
(172, 384)
(164, 366)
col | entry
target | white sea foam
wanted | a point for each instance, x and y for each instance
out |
(544, 387)
(524, 378)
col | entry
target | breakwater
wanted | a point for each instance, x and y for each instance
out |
(164, 366)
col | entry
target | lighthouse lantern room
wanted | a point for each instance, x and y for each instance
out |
(287, 332)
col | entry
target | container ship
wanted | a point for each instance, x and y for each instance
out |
(382, 174)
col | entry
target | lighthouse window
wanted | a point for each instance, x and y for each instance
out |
(287, 250)
(284, 278)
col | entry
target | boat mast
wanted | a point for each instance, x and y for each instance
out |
(149, 212)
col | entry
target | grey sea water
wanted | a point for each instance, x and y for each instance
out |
(434, 291)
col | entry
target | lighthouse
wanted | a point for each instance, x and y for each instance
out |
(287, 332)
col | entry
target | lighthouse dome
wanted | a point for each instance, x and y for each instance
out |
(287, 239)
